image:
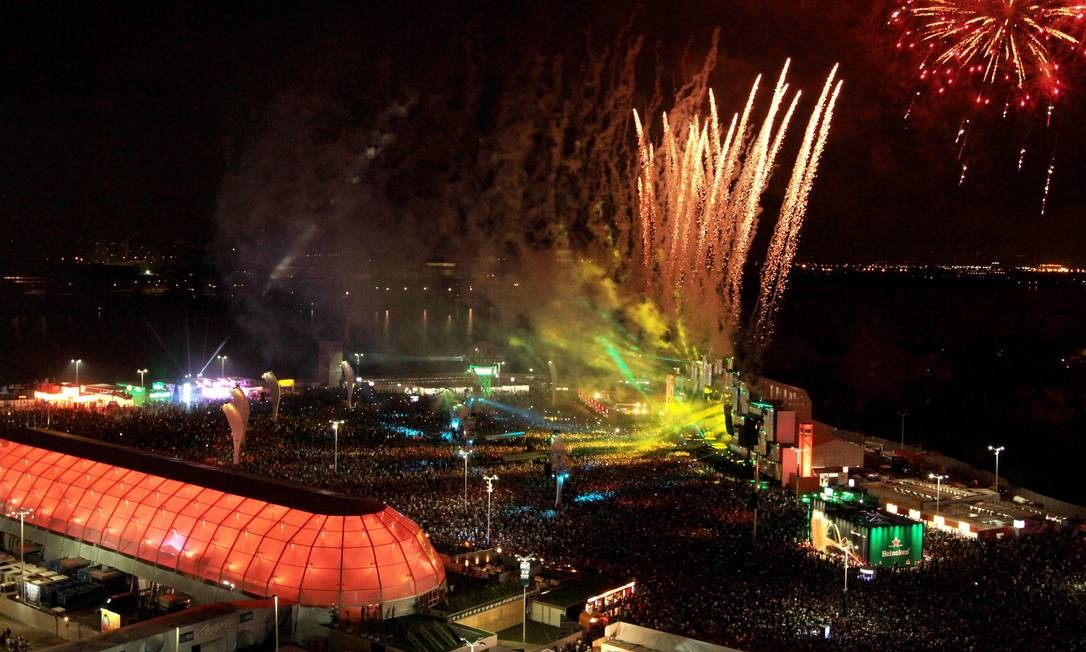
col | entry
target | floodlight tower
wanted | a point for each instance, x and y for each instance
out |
(465, 453)
(77, 362)
(938, 488)
(997, 450)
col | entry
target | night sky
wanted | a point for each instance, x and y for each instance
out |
(121, 124)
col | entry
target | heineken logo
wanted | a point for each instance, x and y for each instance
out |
(896, 549)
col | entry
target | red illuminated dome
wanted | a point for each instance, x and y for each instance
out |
(263, 536)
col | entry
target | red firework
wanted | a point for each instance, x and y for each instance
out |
(1006, 52)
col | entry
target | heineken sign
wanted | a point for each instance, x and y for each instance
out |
(876, 538)
(896, 545)
(896, 550)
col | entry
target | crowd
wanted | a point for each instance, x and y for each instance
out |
(13, 643)
(644, 509)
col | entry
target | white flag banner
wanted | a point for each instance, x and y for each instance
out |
(237, 428)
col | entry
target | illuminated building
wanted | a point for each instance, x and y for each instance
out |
(873, 537)
(591, 600)
(774, 425)
(86, 395)
(200, 528)
(964, 511)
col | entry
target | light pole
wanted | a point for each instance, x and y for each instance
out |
(845, 546)
(465, 453)
(471, 645)
(848, 546)
(222, 366)
(997, 450)
(938, 488)
(903, 415)
(22, 513)
(525, 573)
(335, 454)
(358, 360)
(754, 530)
(276, 615)
(77, 362)
(141, 372)
(489, 490)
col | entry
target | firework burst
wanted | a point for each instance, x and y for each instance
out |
(1005, 51)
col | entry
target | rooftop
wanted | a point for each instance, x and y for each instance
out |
(188, 519)
(868, 517)
(228, 481)
(168, 623)
(577, 591)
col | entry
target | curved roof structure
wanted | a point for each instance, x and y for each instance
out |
(263, 536)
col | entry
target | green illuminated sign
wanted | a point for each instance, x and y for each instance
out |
(896, 545)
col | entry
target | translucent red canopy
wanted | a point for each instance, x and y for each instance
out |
(262, 548)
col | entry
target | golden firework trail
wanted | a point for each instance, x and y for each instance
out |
(699, 203)
(785, 240)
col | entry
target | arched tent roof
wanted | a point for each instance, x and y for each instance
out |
(265, 537)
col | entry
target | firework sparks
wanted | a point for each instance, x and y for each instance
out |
(962, 139)
(993, 47)
(699, 204)
(1048, 184)
(963, 132)
(1014, 53)
(912, 103)
(785, 240)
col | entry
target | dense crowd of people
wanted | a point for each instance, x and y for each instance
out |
(13, 643)
(636, 507)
